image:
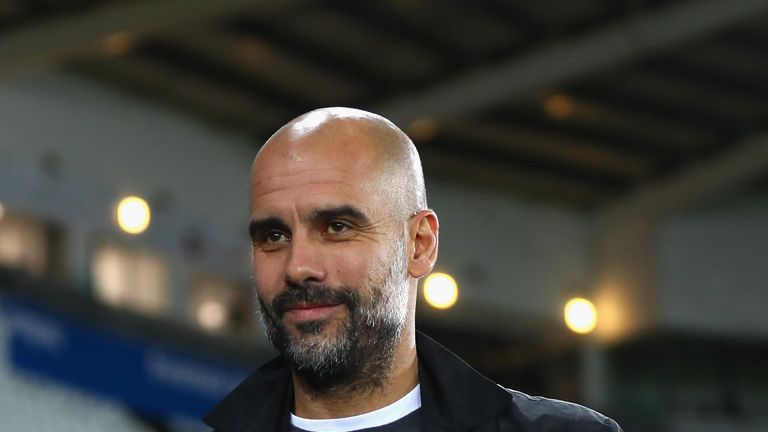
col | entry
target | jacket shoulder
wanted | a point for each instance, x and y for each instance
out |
(543, 414)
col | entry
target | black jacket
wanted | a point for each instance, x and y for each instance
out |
(454, 397)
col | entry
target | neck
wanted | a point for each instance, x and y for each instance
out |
(354, 399)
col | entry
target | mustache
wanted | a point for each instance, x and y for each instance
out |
(314, 293)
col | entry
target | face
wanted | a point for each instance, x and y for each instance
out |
(329, 257)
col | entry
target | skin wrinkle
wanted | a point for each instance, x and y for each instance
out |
(363, 355)
(364, 228)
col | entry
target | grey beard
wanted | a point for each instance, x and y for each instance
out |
(358, 356)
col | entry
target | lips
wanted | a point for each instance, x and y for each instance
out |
(310, 311)
(300, 303)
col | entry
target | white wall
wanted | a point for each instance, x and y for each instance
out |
(108, 144)
(511, 258)
(114, 139)
(713, 268)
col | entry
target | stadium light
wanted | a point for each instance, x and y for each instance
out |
(212, 315)
(440, 290)
(580, 315)
(133, 215)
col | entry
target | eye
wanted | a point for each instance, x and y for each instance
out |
(336, 227)
(273, 238)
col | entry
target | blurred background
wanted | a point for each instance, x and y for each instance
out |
(612, 151)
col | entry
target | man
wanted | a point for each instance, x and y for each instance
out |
(341, 234)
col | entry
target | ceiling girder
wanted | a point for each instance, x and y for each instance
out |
(745, 162)
(560, 62)
(46, 42)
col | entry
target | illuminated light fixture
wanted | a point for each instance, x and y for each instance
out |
(118, 43)
(211, 315)
(559, 106)
(422, 129)
(255, 48)
(580, 315)
(2, 211)
(440, 290)
(133, 215)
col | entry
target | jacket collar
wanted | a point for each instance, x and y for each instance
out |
(454, 396)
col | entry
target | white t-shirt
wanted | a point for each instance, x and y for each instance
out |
(382, 416)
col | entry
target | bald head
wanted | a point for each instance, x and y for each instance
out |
(354, 138)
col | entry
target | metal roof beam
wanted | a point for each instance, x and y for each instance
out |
(44, 43)
(743, 163)
(560, 62)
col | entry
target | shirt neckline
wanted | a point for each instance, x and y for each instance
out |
(382, 416)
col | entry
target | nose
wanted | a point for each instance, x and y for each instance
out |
(304, 262)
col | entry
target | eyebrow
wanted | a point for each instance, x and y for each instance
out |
(258, 226)
(339, 212)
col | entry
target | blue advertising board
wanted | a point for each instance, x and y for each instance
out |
(148, 377)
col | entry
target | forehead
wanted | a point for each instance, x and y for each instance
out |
(304, 171)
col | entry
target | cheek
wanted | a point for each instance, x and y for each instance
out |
(267, 278)
(353, 269)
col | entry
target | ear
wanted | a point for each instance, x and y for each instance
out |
(422, 248)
